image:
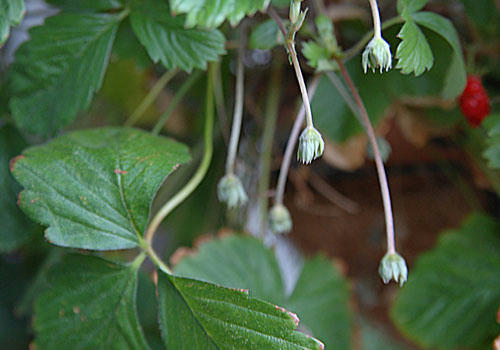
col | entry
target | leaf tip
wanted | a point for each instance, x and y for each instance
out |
(294, 317)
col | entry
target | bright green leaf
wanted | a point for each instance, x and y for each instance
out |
(90, 304)
(318, 57)
(265, 35)
(15, 228)
(11, 14)
(211, 13)
(167, 40)
(456, 76)
(492, 152)
(57, 72)
(320, 296)
(199, 315)
(94, 188)
(410, 6)
(414, 53)
(452, 295)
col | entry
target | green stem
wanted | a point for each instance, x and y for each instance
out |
(175, 101)
(202, 169)
(271, 116)
(151, 97)
(377, 33)
(290, 44)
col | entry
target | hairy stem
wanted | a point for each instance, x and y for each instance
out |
(292, 141)
(290, 44)
(202, 169)
(175, 101)
(377, 33)
(238, 108)
(384, 187)
(271, 115)
(151, 97)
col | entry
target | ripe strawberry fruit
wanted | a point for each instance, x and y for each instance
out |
(474, 101)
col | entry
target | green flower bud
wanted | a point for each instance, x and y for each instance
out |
(294, 11)
(280, 220)
(393, 266)
(377, 54)
(231, 191)
(311, 145)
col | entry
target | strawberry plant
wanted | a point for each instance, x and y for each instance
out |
(138, 213)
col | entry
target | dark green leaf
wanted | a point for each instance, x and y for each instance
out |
(90, 304)
(90, 5)
(211, 13)
(15, 228)
(320, 296)
(456, 76)
(265, 36)
(57, 72)
(11, 14)
(199, 315)
(94, 188)
(452, 295)
(492, 152)
(167, 40)
(485, 15)
(414, 53)
(410, 6)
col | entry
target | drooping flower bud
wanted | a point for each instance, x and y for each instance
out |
(393, 266)
(311, 145)
(377, 54)
(280, 220)
(231, 191)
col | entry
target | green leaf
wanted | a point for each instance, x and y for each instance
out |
(485, 16)
(15, 228)
(87, 5)
(199, 315)
(57, 72)
(320, 296)
(492, 152)
(94, 188)
(265, 36)
(318, 57)
(452, 295)
(167, 40)
(90, 304)
(456, 76)
(11, 14)
(414, 53)
(410, 6)
(211, 13)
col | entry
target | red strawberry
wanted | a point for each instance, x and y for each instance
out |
(474, 102)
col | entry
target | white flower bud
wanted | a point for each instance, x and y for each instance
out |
(280, 220)
(311, 145)
(231, 191)
(377, 54)
(393, 266)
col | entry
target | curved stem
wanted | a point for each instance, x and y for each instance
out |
(377, 33)
(202, 169)
(175, 101)
(292, 141)
(238, 108)
(151, 96)
(290, 44)
(384, 187)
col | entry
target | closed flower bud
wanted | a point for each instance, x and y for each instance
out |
(393, 267)
(231, 191)
(377, 54)
(311, 145)
(279, 219)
